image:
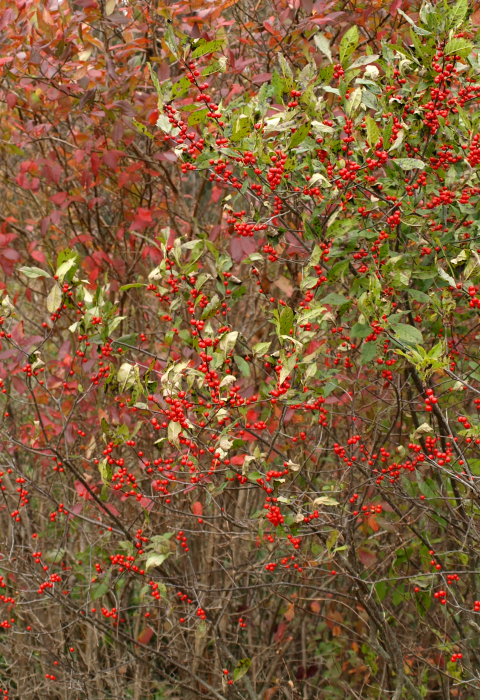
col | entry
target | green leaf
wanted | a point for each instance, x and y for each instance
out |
(462, 47)
(254, 476)
(409, 163)
(174, 430)
(381, 589)
(338, 270)
(408, 334)
(211, 308)
(124, 373)
(214, 67)
(360, 330)
(64, 268)
(209, 47)
(332, 539)
(299, 136)
(155, 560)
(142, 128)
(227, 342)
(364, 61)
(425, 489)
(54, 556)
(373, 132)
(323, 45)
(242, 128)
(135, 285)
(261, 348)
(354, 101)
(445, 276)
(325, 75)
(197, 117)
(99, 590)
(286, 321)
(105, 471)
(242, 365)
(335, 299)
(130, 339)
(54, 298)
(325, 501)
(387, 132)
(241, 669)
(154, 78)
(348, 43)
(368, 353)
(419, 296)
(413, 220)
(171, 39)
(180, 87)
(33, 272)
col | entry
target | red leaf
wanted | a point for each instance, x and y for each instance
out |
(290, 614)
(59, 198)
(95, 160)
(216, 194)
(236, 250)
(146, 503)
(475, 18)
(38, 256)
(81, 490)
(280, 631)
(6, 18)
(145, 635)
(373, 523)
(270, 692)
(19, 385)
(367, 557)
(396, 5)
(261, 78)
(77, 508)
(110, 158)
(197, 508)
(11, 254)
(248, 245)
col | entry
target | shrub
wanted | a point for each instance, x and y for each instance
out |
(240, 435)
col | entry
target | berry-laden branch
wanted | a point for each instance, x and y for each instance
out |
(239, 351)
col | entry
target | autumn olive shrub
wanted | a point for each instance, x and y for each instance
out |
(282, 470)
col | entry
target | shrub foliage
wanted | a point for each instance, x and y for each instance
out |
(239, 350)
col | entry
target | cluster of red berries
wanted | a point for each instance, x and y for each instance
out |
(441, 596)
(338, 71)
(54, 578)
(275, 172)
(183, 540)
(433, 562)
(464, 421)
(294, 94)
(430, 401)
